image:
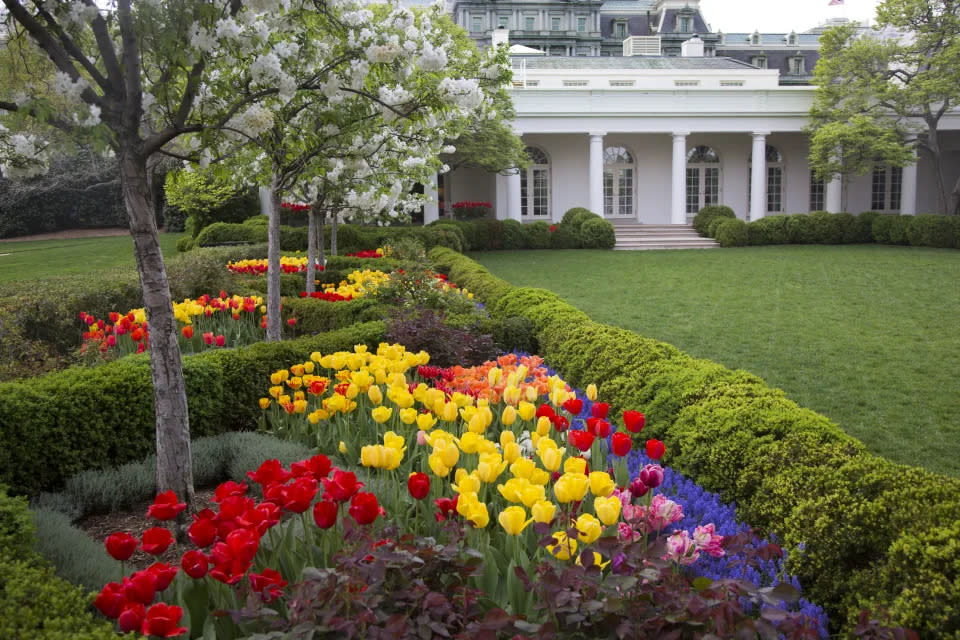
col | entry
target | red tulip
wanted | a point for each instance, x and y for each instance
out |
(208, 338)
(141, 348)
(446, 507)
(111, 341)
(137, 334)
(233, 557)
(220, 340)
(161, 620)
(156, 540)
(655, 449)
(574, 406)
(194, 563)
(634, 421)
(268, 584)
(292, 322)
(203, 532)
(187, 331)
(229, 488)
(599, 428)
(163, 573)
(651, 476)
(621, 444)
(120, 545)
(599, 410)
(165, 506)
(545, 410)
(269, 472)
(318, 466)
(140, 587)
(325, 514)
(131, 618)
(262, 517)
(418, 484)
(342, 487)
(364, 508)
(582, 440)
(298, 495)
(114, 316)
(560, 423)
(111, 600)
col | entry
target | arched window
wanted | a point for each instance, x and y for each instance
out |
(535, 185)
(703, 178)
(618, 171)
(774, 161)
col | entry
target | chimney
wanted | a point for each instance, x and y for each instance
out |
(500, 35)
(692, 48)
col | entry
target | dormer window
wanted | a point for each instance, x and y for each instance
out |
(620, 30)
(755, 38)
(792, 38)
(759, 62)
(721, 38)
(797, 65)
(684, 24)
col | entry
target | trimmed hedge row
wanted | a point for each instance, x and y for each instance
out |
(34, 603)
(579, 229)
(863, 531)
(820, 227)
(81, 418)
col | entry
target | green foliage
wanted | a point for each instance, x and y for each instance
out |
(81, 418)
(701, 221)
(827, 228)
(597, 233)
(223, 232)
(538, 235)
(204, 198)
(75, 556)
(317, 316)
(932, 231)
(732, 233)
(564, 236)
(490, 234)
(577, 216)
(514, 236)
(258, 220)
(766, 230)
(16, 526)
(516, 333)
(801, 229)
(185, 244)
(464, 231)
(468, 274)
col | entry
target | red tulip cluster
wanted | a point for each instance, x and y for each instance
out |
(105, 334)
(228, 539)
(467, 204)
(326, 295)
(294, 206)
(366, 253)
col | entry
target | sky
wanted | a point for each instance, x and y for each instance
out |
(780, 16)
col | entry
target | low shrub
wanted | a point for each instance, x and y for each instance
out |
(827, 228)
(597, 233)
(732, 233)
(515, 333)
(577, 216)
(801, 228)
(932, 231)
(224, 232)
(767, 230)
(712, 227)
(319, 316)
(538, 235)
(185, 244)
(425, 330)
(489, 234)
(564, 237)
(258, 220)
(701, 221)
(514, 236)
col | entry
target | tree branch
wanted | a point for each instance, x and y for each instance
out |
(107, 51)
(70, 47)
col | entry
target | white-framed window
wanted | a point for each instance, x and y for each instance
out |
(619, 169)
(887, 189)
(620, 30)
(703, 178)
(684, 24)
(503, 21)
(581, 24)
(558, 51)
(529, 23)
(792, 38)
(555, 23)
(797, 66)
(755, 38)
(818, 193)
(759, 61)
(774, 162)
(476, 23)
(535, 185)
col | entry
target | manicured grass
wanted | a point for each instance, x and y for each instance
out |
(866, 335)
(50, 258)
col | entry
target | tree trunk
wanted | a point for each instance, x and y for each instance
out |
(936, 161)
(311, 249)
(268, 205)
(321, 240)
(333, 235)
(174, 465)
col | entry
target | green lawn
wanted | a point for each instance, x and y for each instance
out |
(50, 258)
(866, 335)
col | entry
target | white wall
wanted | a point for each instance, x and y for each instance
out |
(568, 154)
(470, 184)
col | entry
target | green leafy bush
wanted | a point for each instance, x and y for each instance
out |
(318, 316)
(204, 199)
(515, 333)
(514, 236)
(577, 216)
(465, 231)
(767, 230)
(732, 233)
(801, 228)
(223, 232)
(827, 228)
(258, 220)
(564, 237)
(538, 235)
(185, 244)
(597, 233)
(490, 234)
(931, 231)
(701, 221)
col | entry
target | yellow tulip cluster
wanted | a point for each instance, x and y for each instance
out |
(358, 283)
(384, 456)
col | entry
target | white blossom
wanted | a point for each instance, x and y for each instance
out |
(201, 39)
(66, 87)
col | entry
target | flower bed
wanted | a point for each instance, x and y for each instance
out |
(258, 267)
(588, 530)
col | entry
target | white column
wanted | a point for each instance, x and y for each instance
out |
(678, 199)
(596, 172)
(834, 201)
(513, 195)
(431, 210)
(908, 192)
(758, 176)
(502, 204)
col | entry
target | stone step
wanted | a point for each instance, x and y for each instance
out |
(632, 236)
(663, 247)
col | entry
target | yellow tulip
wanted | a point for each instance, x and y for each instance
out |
(522, 468)
(511, 452)
(467, 413)
(575, 465)
(533, 494)
(408, 416)
(362, 379)
(494, 376)
(299, 406)
(264, 403)
(484, 410)
(283, 400)
(530, 393)
(426, 421)
(543, 511)
(535, 440)
(470, 442)
(477, 423)
(462, 399)
(490, 467)
(375, 395)
(352, 391)
(601, 484)
(343, 447)
(526, 411)
(299, 396)
(479, 516)
(381, 414)
(394, 441)
(539, 476)
(551, 458)
(543, 425)
(511, 395)
(380, 375)
(450, 455)
(369, 456)
(275, 378)
(449, 412)
(308, 366)
(591, 392)
(513, 520)
(316, 356)
(276, 391)
(597, 560)
(589, 528)
(467, 500)
(486, 446)
(608, 509)
(564, 547)
(508, 417)
(436, 465)
(512, 489)
(571, 487)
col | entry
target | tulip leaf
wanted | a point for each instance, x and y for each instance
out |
(702, 583)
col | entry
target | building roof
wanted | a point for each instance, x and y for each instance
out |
(627, 5)
(769, 39)
(636, 62)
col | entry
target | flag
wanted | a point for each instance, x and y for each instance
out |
(834, 3)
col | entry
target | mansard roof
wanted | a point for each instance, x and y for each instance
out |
(736, 40)
(635, 62)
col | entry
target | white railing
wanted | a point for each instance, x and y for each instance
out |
(642, 46)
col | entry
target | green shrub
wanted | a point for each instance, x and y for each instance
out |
(766, 230)
(450, 228)
(16, 526)
(597, 233)
(204, 199)
(881, 228)
(258, 220)
(732, 233)
(516, 333)
(862, 232)
(577, 216)
(174, 219)
(318, 316)
(538, 235)
(564, 237)
(223, 232)
(468, 274)
(490, 234)
(185, 244)
(850, 228)
(701, 221)
(514, 236)
(931, 231)
(801, 229)
(75, 556)
(827, 228)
